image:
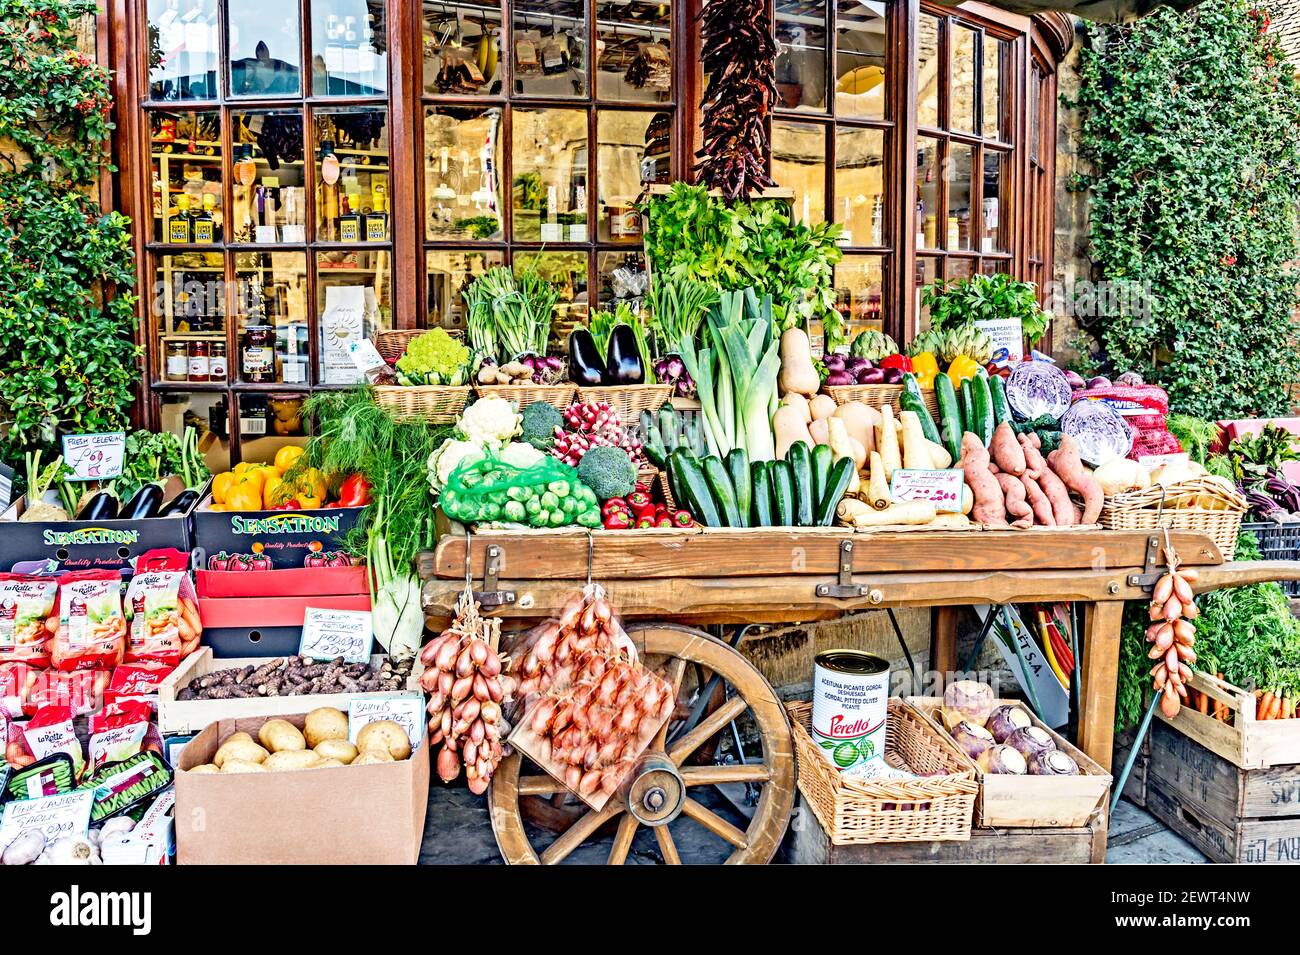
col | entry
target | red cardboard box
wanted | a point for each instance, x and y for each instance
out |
(298, 582)
(264, 626)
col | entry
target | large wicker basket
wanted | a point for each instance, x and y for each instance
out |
(558, 396)
(1202, 505)
(856, 811)
(391, 344)
(877, 396)
(628, 400)
(436, 404)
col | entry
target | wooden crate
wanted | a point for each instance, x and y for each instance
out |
(1135, 789)
(1229, 813)
(1245, 742)
(1031, 801)
(808, 844)
(191, 716)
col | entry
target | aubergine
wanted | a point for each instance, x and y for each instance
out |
(180, 503)
(100, 507)
(146, 503)
(585, 365)
(623, 364)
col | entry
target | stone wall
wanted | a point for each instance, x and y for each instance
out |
(1070, 260)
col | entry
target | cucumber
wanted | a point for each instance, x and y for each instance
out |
(715, 473)
(696, 496)
(761, 498)
(908, 401)
(910, 385)
(822, 461)
(668, 430)
(782, 493)
(738, 471)
(800, 460)
(967, 406)
(674, 481)
(982, 414)
(998, 400)
(949, 415)
(837, 484)
(653, 446)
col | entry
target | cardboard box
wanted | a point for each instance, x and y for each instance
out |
(299, 581)
(264, 626)
(286, 537)
(90, 545)
(343, 815)
(191, 716)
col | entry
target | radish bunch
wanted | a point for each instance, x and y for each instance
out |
(1171, 635)
(593, 424)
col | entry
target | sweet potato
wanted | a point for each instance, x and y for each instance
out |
(1051, 485)
(1038, 501)
(990, 507)
(1018, 509)
(1065, 462)
(1006, 450)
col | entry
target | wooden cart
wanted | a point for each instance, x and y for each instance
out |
(697, 577)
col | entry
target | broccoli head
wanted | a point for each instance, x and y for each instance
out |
(607, 471)
(539, 423)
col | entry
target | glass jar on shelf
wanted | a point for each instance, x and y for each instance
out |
(176, 363)
(199, 356)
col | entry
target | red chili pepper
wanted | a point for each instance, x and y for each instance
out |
(901, 362)
(354, 491)
(638, 499)
(645, 520)
(683, 518)
(617, 521)
(663, 520)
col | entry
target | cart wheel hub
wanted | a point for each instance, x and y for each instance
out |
(656, 792)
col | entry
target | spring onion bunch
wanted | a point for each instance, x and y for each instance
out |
(509, 315)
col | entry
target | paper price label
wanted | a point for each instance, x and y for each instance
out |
(406, 711)
(67, 814)
(328, 634)
(94, 457)
(943, 489)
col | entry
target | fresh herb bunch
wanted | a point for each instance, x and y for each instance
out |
(985, 298)
(1196, 435)
(509, 314)
(150, 458)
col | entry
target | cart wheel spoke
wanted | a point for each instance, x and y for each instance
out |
(708, 727)
(675, 671)
(667, 848)
(623, 839)
(539, 786)
(574, 836)
(734, 773)
(711, 821)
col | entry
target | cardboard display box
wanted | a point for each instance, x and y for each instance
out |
(286, 537)
(264, 626)
(343, 815)
(298, 582)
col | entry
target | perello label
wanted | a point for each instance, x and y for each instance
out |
(285, 524)
(90, 535)
(850, 705)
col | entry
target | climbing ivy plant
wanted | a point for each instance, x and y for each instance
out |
(1192, 123)
(68, 362)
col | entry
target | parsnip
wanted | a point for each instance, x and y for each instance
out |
(909, 512)
(887, 441)
(877, 486)
(916, 453)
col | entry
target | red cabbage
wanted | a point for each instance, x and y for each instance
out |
(1100, 431)
(1038, 388)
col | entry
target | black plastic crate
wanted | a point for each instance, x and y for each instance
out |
(1278, 542)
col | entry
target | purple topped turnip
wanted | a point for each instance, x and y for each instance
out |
(1002, 761)
(972, 739)
(1030, 741)
(967, 700)
(1005, 720)
(1053, 763)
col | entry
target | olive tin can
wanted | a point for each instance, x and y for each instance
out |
(849, 707)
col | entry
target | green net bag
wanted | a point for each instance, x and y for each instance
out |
(548, 494)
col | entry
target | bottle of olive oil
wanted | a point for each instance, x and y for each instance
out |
(178, 226)
(377, 218)
(204, 226)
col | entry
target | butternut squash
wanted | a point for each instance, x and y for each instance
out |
(820, 432)
(861, 420)
(788, 426)
(796, 400)
(797, 372)
(821, 406)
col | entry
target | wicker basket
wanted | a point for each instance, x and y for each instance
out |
(666, 489)
(1219, 518)
(391, 344)
(628, 400)
(558, 396)
(647, 475)
(877, 396)
(857, 811)
(436, 404)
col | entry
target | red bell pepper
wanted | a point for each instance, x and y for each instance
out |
(645, 520)
(683, 518)
(638, 500)
(354, 491)
(901, 362)
(613, 504)
(618, 521)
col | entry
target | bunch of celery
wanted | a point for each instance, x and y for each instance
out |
(735, 374)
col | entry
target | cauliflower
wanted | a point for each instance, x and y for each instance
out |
(446, 457)
(490, 422)
(520, 455)
(434, 358)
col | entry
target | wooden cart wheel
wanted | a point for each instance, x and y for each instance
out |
(659, 790)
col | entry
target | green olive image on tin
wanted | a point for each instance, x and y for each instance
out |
(866, 748)
(845, 755)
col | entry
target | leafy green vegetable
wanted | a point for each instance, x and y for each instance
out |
(152, 457)
(434, 358)
(1251, 457)
(984, 298)
(509, 314)
(1194, 434)
(677, 308)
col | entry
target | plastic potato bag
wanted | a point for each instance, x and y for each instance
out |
(92, 627)
(26, 603)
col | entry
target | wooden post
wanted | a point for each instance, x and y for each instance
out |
(943, 639)
(1101, 631)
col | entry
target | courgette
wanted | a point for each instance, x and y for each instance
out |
(983, 414)
(738, 471)
(967, 400)
(838, 483)
(782, 493)
(908, 401)
(800, 460)
(822, 461)
(695, 488)
(761, 496)
(949, 415)
(910, 384)
(715, 472)
(653, 444)
(998, 401)
(668, 427)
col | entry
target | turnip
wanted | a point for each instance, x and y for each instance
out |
(1002, 761)
(974, 740)
(1053, 763)
(1031, 741)
(967, 700)
(1005, 720)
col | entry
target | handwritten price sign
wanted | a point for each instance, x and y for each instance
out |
(94, 457)
(328, 634)
(67, 814)
(941, 488)
(406, 711)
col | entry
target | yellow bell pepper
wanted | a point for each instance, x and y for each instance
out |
(962, 367)
(243, 467)
(221, 485)
(245, 496)
(926, 368)
(310, 488)
(286, 456)
(275, 492)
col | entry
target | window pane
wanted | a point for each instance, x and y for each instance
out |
(270, 195)
(859, 280)
(799, 163)
(265, 47)
(623, 166)
(549, 192)
(995, 53)
(634, 59)
(550, 47)
(352, 175)
(185, 150)
(962, 104)
(568, 272)
(928, 269)
(349, 47)
(271, 307)
(267, 422)
(994, 227)
(207, 414)
(859, 185)
(353, 301)
(994, 266)
(955, 268)
(188, 303)
(957, 233)
(860, 61)
(449, 274)
(928, 75)
(622, 277)
(801, 57)
(462, 185)
(927, 193)
(183, 49)
(462, 47)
